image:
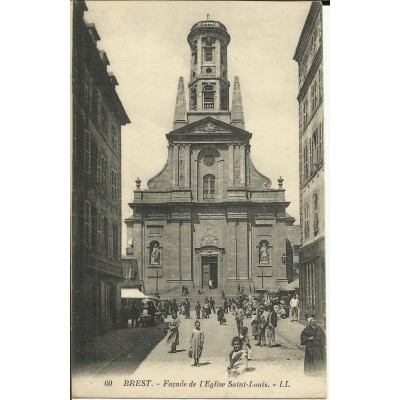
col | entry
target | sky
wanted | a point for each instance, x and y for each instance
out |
(146, 44)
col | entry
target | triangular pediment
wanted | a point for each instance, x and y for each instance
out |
(208, 125)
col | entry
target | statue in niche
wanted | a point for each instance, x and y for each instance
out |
(155, 255)
(264, 255)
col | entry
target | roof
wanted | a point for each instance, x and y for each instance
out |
(305, 33)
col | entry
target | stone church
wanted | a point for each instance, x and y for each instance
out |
(209, 214)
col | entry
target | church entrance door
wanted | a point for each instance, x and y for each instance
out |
(209, 268)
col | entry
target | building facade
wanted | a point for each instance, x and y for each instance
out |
(209, 214)
(308, 55)
(97, 117)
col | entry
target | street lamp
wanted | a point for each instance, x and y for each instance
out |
(284, 257)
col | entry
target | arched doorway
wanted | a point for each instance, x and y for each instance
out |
(209, 271)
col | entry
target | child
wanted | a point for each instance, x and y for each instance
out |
(246, 345)
(237, 359)
(196, 343)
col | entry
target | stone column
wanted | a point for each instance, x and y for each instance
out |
(220, 179)
(230, 165)
(187, 166)
(138, 251)
(199, 59)
(242, 249)
(174, 151)
(242, 164)
(194, 177)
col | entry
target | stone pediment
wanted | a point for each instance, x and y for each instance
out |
(208, 125)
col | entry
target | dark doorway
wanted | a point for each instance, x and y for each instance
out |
(209, 270)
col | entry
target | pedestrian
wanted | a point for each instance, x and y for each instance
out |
(255, 325)
(249, 309)
(204, 311)
(212, 305)
(313, 337)
(223, 294)
(135, 314)
(237, 359)
(294, 307)
(239, 316)
(208, 311)
(187, 308)
(186, 291)
(263, 322)
(220, 315)
(246, 345)
(238, 288)
(125, 317)
(210, 284)
(272, 324)
(233, 307)
(198, 309)
(226, 303)
(173, 332)
(174, 307)
(183, 290)
(196, 344)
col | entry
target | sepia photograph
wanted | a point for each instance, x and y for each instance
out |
(198, 266)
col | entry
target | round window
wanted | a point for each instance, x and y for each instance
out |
(208, 70)
(209, 160)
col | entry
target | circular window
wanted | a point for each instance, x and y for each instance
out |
(209, 160)
(208, 70)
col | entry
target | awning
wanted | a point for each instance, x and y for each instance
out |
(132, 293)
(293, 286)
(150, 298)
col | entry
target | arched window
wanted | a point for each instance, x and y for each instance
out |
(209, 187)
(208, 97)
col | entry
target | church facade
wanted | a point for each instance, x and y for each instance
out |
(209, 214)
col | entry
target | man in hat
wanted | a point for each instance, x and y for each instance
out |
(263, 321)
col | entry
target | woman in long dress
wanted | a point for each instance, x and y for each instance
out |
(313, 337)
(196, 343)
(173, 332)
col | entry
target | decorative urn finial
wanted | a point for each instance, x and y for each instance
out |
(138, 182)
(280, 182)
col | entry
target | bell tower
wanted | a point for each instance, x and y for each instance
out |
(208, 82)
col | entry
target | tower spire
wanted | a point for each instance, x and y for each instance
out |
(237, 106)
(180, 106)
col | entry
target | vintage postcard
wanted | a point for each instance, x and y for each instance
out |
(198, 219)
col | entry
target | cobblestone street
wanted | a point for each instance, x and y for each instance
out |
(272, 372)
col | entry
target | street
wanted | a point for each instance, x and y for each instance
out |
(272, 372)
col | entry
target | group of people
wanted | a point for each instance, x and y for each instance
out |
(263, 324)
(265, 316)
(237, 357)
(204, 311)
(185, 290)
